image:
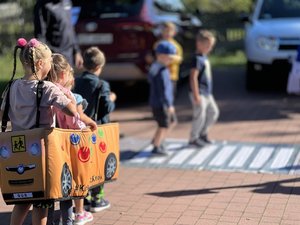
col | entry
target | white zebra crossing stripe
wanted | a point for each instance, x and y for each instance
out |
(142, 156)
(295, 168)
(202, 155)
(282, 158)
(160, 159)
(241, 157)
(172, 148)
(222, 156)
(232, 156)
(181, 156)
(261, 158)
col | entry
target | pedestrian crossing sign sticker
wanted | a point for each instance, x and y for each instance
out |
(18, 143)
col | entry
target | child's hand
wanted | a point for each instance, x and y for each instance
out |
(93, 125)
(172, 116)
(197, 100)
(112, 96)
(171, 110)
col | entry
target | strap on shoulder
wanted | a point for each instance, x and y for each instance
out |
(5, 117)
(39, 94)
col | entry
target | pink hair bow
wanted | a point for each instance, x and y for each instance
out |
(33, 42)
(21, 42)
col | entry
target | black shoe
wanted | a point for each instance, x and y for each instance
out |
(159, 151)
(206, 140)
(99, 205)
(198, 143)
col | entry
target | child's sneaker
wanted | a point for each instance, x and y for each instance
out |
(101, 204)
(83, 218)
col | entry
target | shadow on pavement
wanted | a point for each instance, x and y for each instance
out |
(5, 218)
(274, 187)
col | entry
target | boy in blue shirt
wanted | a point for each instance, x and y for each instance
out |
(161, 94)
(101, 102)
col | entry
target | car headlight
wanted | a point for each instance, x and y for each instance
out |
(268, 43)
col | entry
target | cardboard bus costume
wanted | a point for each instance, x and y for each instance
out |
(55, 163)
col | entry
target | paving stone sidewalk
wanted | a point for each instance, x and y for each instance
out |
(145, 195)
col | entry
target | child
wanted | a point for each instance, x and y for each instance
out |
(161, 93)
(168, 34)
(24, 114)
(100, 104)
(205, 109)
(62, 75)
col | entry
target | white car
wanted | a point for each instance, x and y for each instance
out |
(271, 42)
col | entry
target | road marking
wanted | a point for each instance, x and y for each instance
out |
(295, 168)
(262, 156)
(181, 156)
(142, 156)
(222, 156)
(242, 156)
(227, 156)
(282, 158)
(202, 155)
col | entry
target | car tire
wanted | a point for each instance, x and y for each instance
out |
(66, 181)
(110, 166)
(252, 77)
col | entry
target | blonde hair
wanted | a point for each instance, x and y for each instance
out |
(205, 35)
(60, 64)
(30, 53)
(169, 25)
(92, 58)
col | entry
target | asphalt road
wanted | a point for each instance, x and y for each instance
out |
(244, 116)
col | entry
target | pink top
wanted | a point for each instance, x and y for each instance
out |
(22, 111)
(65, 121)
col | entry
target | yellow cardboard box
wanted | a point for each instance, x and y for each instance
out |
(54, 163)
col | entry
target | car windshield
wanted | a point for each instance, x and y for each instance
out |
(280, 9)
(169, 5)
(110, 8)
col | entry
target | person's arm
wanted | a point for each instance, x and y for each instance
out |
(70, 109)
(195, 85)
(106, 106)
(87, 120)
(176, 59)
(39, 23)
(167, 88)
(179, 54)
(1, 114)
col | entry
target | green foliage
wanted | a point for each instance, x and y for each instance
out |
(219, 6)
(237, 58)
(6, 65)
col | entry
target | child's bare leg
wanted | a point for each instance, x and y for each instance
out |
(159, 136)
(80, 214)
(79, 207)
(19, 214)
(39, 216)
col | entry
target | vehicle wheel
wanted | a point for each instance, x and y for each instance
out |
(66, 181)
(110, 166)
(252, 81)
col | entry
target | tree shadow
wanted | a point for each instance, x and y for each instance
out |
(273, 187)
